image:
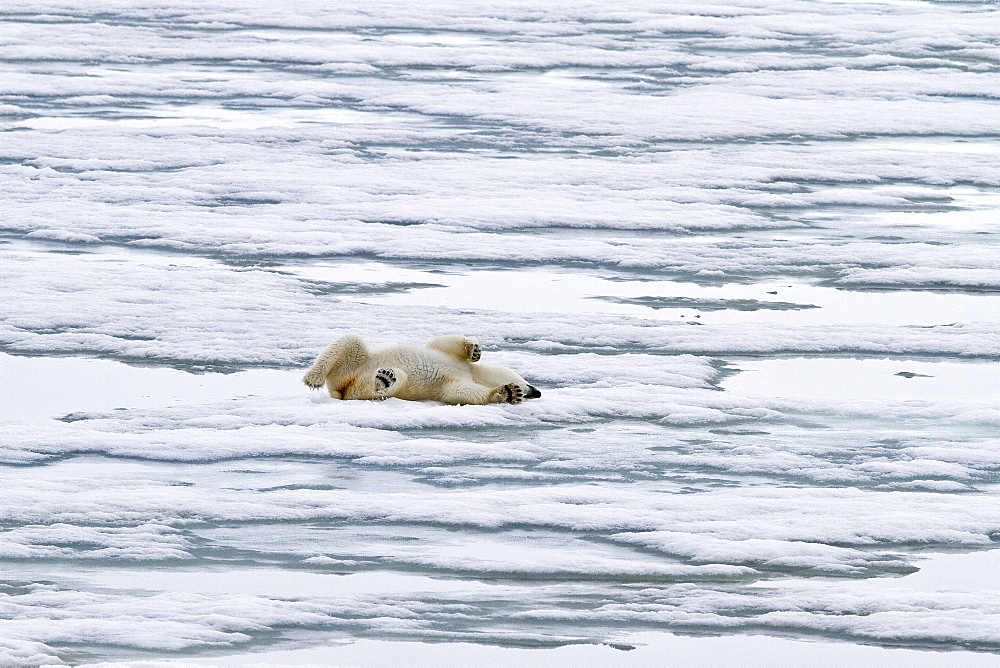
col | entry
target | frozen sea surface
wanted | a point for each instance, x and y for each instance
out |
(749, 251)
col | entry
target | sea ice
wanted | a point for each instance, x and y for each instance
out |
(747, 250)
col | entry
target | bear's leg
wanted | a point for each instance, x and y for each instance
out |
(467, 392)
(384, 383)
(344, 354)
(511, 393)
(459, 347)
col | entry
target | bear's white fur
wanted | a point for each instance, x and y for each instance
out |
(444, 369)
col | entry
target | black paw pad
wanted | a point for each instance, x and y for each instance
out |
(512, 393)
(384, 378)
(475, 352)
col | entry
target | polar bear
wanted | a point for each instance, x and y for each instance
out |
(444, 369)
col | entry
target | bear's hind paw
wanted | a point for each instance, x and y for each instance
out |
(512, 393)
(384, 379)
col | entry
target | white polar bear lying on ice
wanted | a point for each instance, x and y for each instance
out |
(442, 370)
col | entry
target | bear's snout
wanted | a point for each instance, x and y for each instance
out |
(533, 393)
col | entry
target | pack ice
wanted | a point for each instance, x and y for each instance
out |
(748, 251)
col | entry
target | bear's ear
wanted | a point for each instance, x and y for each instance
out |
(532, 393)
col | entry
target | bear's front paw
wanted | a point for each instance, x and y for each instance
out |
(314, 379)
(474, 351)
(512, 393)
(384, 379)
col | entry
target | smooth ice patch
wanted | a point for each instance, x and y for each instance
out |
(641, 649)
(838, 379)
(36, 389)
(971, 146)
(567, 291)
(970, 571)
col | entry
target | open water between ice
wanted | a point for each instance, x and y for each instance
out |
(748, 252)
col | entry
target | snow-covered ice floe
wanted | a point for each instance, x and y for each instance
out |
(747, 251)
